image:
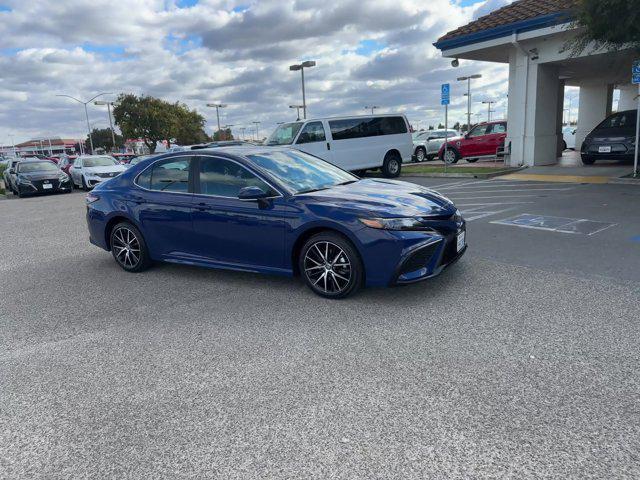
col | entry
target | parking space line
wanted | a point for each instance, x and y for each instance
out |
(517, 190)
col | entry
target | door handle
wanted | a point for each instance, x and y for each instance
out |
(202, 207)
(328, 146)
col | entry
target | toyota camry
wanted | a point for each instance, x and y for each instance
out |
(278, 211)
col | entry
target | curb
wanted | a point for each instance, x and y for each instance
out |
(407, 173)
(624, 181)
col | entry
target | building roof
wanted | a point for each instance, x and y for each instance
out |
(521, 15)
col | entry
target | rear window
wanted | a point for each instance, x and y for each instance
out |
(620, 120)
(366, 127)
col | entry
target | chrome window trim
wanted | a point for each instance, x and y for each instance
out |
(280, 195)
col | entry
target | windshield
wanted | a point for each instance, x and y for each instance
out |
(30, 167)
(99, 162)
(302, 172)
(284, 134)
(622, 120)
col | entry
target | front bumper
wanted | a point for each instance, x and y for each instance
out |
(39, 187)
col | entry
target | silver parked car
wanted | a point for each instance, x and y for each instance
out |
(427, 143)
(89, 170)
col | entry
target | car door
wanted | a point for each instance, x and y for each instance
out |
(313, 140)
(162, 206)
(476, 142)
(495, 136)
(233, 232)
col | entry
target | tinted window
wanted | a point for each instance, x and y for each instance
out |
(170, 175)
(28, 167)
(99, 162)
(366, 127)
(620, 120)
(312, 132)
(284, 134)
(225, 178)
(478, 131)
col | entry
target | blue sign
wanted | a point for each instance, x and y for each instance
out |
(444, 94)
(635, 79)
(636, 67)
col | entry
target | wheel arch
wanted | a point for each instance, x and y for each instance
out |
(112, 222)
(305, 235)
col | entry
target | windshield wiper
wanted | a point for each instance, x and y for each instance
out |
(309, 190)
(347, 182)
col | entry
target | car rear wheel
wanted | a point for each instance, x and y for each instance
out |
(450, 156)
(587, 160)
(392, 165)
(564, 145)
(129, 248)
(331, 266)
(421, 154)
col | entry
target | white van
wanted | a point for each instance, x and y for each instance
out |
(352, 143)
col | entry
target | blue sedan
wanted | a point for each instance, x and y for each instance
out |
(277, 211)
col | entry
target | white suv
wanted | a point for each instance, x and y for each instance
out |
(89, 170)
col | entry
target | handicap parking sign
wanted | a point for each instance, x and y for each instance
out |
(635, 72)
(444, 94)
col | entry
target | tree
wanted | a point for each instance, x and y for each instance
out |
(222, 134)
(611, 24)
(153, 120)
(102, 139)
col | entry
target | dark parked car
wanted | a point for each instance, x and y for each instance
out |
(39, 176)
(9, 173)
(277, 211)
(613, 139)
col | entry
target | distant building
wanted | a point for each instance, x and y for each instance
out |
(45, 146)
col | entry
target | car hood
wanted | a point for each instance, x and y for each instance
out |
(40, 175)
(384, 198)
(106, 169)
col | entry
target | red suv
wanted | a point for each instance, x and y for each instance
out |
(484, 140)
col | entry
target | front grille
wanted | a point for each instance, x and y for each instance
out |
(450, 250)
(615, 148)
(106, 175)
(419, 259)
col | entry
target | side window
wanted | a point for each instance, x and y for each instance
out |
(169, 175)
(478, 131)
(498, 128)
(366, 127)
(225, 178)
(312, 132)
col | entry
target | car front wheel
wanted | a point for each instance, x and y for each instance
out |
(129, 248)
(331, 266)
(421, 154)
(392, 165)
(450, 156)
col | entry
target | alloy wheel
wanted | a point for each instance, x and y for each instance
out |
(327, 267)
(450, 156)
(126, 247)
(420, 155)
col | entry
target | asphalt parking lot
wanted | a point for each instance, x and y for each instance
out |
(520, 361)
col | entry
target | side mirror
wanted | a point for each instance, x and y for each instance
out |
(252, 193)
(12, 171)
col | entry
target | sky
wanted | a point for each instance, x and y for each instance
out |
(377, 52)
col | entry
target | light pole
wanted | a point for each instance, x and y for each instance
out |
(297, 107)
(489, 103)
(108, 104)
(468, 80)
(86, 112)
(372, 107)
(257, 124)
(242, 130)
(228, 127)
(301, 67)
(13, 144)
(218, 106)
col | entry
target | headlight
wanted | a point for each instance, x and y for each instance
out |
(403, 223)
(24, 181)
(63, 177)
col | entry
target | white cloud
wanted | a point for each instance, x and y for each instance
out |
(220, 50)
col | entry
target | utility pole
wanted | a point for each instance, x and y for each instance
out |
(257, 124)
(86, 112)
(489, 103)
(468, 95)
(372, 107)
(108, 104)
(301, 67)
(217, 106)
(297, 107)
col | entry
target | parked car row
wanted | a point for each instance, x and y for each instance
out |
(32, 176)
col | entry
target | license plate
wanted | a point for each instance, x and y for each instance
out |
(47, 186)
(605, 149)
(460, 243)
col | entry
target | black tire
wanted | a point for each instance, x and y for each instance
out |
(85, 187)
(430, 158)
(392, 165)
(472, 160)
(126, 240)
(564, 145)
(421, 154)
(452, 156)
(342, 269)
(588, 160)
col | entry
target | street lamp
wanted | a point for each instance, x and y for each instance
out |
(257, 124)
(489, 103)
(242, 130)
(372, 107)
(108, 104)
(228, 127)
(301, 67)
(297, 107)
(86, 112)
(218, 106)
(468, 80)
